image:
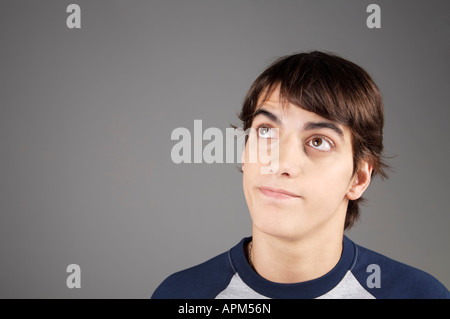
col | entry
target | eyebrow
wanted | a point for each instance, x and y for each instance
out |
(267, 114)
(309, 126)
(318, 125)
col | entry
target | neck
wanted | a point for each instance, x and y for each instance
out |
(287, 260)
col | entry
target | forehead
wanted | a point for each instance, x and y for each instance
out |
(284, 113)
(275, 102)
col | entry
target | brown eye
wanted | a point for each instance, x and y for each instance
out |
(317, 142)
(320, 144)
(266, 132)
(263, 131)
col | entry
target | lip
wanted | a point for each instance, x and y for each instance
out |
(277, 193)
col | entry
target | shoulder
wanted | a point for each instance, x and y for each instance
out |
(203, 281)
(384, 277)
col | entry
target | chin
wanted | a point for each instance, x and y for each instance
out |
(290, 223)
(278, 223)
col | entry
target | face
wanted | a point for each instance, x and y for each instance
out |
(305, 189)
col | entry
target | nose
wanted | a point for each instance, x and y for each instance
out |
(288, 161)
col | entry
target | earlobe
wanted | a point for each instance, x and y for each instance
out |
(360, 181)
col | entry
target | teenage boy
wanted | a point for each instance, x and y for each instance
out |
(325, 117)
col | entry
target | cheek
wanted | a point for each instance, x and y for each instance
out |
(251, 177)
(250, 153)
(329, 182)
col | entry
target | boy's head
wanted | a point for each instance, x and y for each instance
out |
(328, 118)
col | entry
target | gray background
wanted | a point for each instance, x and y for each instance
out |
(86, 118)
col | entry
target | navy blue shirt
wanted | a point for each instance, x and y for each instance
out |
(360, 273)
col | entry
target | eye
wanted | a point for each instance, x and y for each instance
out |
(320, 144)
(266, 132)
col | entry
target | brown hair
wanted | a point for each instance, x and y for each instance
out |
(335, 89)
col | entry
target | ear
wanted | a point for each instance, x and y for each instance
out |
(360, 181)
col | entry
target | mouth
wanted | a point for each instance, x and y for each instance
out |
(277, 193)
